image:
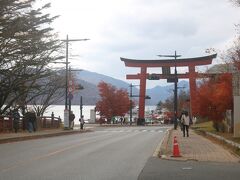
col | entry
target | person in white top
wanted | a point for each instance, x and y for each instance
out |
(185, 120)
(81, 122)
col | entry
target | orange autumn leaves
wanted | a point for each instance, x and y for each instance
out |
(215, 97)
(114, 102)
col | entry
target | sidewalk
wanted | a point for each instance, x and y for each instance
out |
(195, 147)
(21, 136)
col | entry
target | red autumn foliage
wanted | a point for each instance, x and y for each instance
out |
(169, 115)
(215, 97)
(114, 102)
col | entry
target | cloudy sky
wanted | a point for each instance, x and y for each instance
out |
(141, 29)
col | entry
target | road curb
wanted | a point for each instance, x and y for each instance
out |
(162, 146)
(165, 152)
(40, 136)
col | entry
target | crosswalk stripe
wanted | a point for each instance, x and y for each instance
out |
(138, 130)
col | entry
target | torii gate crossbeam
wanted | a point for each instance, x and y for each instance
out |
(191, 63)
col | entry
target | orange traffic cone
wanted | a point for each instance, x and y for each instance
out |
(176, 152)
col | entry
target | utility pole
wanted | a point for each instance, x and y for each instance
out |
(66, 111)
(81, 106)
(175, 86)
(175, 92)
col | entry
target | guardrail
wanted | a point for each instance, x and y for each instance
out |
(44, 122)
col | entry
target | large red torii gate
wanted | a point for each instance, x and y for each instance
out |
(192, 75)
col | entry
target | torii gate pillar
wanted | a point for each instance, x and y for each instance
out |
(193, 89)
(143, 77)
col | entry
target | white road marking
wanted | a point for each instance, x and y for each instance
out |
(129, 131)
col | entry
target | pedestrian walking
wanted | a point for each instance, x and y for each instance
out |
(82, 122)
(121, 120)
(16, 119)
(180, 120)
(185, 120)
(31, 119)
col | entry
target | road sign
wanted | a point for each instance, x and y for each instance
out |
(153, 77)
(79, 87)
(70, 82)
(171, 80)
(70, 89)
(166, 70)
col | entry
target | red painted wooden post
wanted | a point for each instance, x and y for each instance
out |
(193, 89)
(143, 77)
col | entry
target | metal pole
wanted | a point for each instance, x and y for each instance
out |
(70, 104)
(131, 104)
(66, 112)
(69, 93)
(81, 106)
(66, 83)
(175, 92)
(67, 41)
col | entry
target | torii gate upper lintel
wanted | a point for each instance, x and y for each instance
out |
(191, 63)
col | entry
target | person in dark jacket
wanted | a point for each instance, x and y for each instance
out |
(16, 119)
(31, 119)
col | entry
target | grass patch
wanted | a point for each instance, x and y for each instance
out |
(205, 126)
(208, 127)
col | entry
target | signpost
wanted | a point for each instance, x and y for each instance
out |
(66, 118)
(153, 77)
(175, 81)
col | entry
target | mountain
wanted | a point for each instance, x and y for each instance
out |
(95, 78)
(89, 93)
(89, 80)
(161, 93)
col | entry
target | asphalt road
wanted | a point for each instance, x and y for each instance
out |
(157, 169)
(107, 153)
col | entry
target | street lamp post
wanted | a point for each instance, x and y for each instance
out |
(66, 111)
(175, 85)
(175, 91)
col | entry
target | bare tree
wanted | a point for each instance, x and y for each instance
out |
(51, 91)
(183, 97)
(236, 2)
